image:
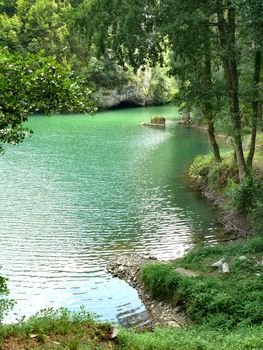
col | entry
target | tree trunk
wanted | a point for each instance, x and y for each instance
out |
(186, 119)
(255, 109)
(211, 133)
(226, 30)
(207, 106)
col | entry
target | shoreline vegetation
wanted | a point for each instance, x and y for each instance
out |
(201, 307)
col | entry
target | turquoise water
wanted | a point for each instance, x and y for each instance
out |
(84, 188)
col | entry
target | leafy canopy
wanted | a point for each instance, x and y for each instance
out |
(35, 83)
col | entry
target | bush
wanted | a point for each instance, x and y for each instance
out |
(5, 304)
(161, 280)
(256, 244)
(241, 195)
(202, 165)
(158, 120)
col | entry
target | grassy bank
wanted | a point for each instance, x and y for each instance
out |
(56, 330)
(193, 338)
(220, 182)
(61, 330)
(214, 299)
(226, 310)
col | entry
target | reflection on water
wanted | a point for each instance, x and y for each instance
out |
(85, 188)
(133, 318)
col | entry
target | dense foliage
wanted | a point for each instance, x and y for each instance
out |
(31, 83)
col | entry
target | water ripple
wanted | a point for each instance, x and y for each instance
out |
(83, 189)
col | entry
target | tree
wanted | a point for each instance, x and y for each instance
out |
(251, 28)
(35, 83)
(8, 7)
(10, 32)
(44, 26)
(193, 44)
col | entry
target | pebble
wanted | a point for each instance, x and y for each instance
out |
(114, 333)
(173, 324)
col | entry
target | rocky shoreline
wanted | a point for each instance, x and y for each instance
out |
(128, 267)
(234, 223)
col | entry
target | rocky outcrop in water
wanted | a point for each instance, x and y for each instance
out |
(127, 267)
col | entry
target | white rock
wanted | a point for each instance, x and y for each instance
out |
(32, 336)
(218, 263)
(225, 268)
(121, 269)
(242, 258)
(114, 333)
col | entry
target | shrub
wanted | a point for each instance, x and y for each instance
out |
(161, 280)
(5, 304)
(255, 244)
(158, 120)
(202, 165)
(241, 195)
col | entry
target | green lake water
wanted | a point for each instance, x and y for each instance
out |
(84, 188)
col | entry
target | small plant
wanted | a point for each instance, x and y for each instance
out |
(5, 304)
(158, 120)
(161, 280)
(256, 244)
(202, 165)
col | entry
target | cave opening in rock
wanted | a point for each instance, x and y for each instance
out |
(125, 104)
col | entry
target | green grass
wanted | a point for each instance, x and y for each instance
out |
(193, 338)
(57, 330)
(212, 298)
(62, 330)
(227, 310)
